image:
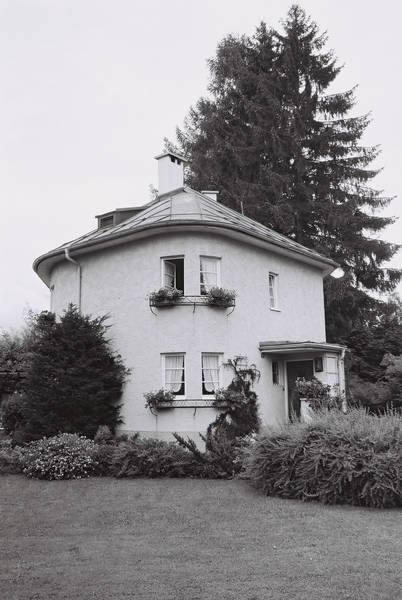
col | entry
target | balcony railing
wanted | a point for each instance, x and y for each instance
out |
(192, 301)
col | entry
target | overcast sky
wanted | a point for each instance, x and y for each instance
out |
(89, 89)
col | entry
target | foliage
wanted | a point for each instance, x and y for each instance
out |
(220, 296)
(10, 459)
(75, 379)
(221, 459)
(64, 456)
(231, 431)
(165, 294)
(153, 400)
(104, 435)
(383, 394)
(15, 356)
(13, 413)
(278, 145)
(150, 457)
(237, 403)
(353, 458)
(318, 394)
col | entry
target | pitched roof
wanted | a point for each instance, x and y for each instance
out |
(184, 207)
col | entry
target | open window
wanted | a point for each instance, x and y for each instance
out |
(209, 273)
(173, 373)
(173, 272)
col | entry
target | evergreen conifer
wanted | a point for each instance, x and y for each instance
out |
(279, 146)
(75, 379)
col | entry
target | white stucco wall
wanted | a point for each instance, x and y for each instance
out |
(117, 281)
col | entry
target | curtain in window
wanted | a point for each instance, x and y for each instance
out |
(210, 372)
(208, 273)
(169, 274)
(174, 371)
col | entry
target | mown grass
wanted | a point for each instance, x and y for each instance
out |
(189, 539)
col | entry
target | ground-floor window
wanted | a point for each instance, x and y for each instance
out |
(210, 372)
(173, 372)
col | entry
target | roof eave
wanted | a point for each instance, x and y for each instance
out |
(326, 265)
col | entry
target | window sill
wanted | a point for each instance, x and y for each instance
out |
(187, 404)
(275, 309)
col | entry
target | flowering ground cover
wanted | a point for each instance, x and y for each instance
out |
(189, 539)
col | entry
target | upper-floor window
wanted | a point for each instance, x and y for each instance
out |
(173, 272)
(173, 373)
(209, 273)
(210, 372)
(273, 290)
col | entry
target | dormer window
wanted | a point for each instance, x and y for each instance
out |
(173, 272)
(107, 221)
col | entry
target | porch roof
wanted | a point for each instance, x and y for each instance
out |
(288, 347)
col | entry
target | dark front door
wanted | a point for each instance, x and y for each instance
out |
(295, 369)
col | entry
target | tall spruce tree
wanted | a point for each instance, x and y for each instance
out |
(278, 145)
(74, 381)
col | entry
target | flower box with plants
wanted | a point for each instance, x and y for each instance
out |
(218, 296)
(160, 399)
(165, 296)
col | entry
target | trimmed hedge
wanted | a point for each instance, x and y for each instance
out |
(353, 458)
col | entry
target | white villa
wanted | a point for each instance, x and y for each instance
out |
(186, 239)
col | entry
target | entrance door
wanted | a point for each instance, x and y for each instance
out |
(295, 369)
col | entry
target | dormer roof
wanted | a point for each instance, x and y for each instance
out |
(179, 210)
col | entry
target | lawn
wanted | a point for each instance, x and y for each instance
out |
(189, 539)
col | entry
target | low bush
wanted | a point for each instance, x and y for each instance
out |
(10, 458)
(222, 458)
(150, 457)
(64, 456)
(353, 458)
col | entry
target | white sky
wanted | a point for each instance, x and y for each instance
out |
(89, 89)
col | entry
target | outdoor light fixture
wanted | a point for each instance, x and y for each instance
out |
(338, 273)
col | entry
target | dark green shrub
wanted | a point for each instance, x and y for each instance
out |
(150, 457)
(237, 404)
(10, 458)
(75, 380)
(353, 458)
(221, 459)
(64, 456)
(13, 413)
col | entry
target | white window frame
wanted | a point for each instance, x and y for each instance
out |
(273, 298)
(279, 379)
(163, 361)
(168, 259)
(220, 362)
(218, 271)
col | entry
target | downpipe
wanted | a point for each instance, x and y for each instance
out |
(71, 260)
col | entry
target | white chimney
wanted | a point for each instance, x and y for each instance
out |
(170, 172)
(213, 194)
